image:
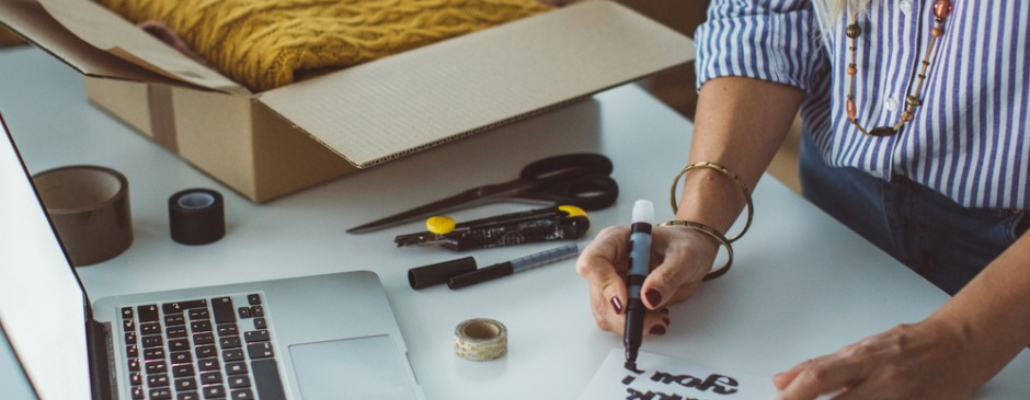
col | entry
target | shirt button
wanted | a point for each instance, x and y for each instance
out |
(892, 104)
(906, 6)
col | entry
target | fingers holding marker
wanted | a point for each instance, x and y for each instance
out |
(600, 265)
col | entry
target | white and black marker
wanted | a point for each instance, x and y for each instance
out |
(639, 266)
(196, 216)
(517, 265)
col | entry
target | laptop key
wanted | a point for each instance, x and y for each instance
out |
(266, 379)
(206, 351)
(257, 311)
(134, 365)
(236, 368)
(185, 384)
(181, 357)
(158, 367)
(127, 313)
(257, 336)
(176, 332)
(161, 394)
(152, 341)
(130, 337)
(156, 381)
(203, 338)
(203, 325)
(180, 306)
(228, 329)
(178, 344)
(187, 396)
(135, 379)
(214, 392)
(132, 351)
(210, 378)
(232, 355)
(209, 364)
(175, 319)
(260, 350)
(154, 354)
(239, 382)
(254, 299)
(148, 313)
(183, 370)
(244, 312)
(150, 328)
(137, 393)
(129, 325)
(199, 313)
(260, 323)
(230, 342)
(242, 394)
(223, 310)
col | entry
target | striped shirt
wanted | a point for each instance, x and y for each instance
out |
(970, 140)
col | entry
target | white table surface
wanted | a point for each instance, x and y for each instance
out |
(802, 284)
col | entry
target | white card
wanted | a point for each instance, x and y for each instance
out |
(667, 378)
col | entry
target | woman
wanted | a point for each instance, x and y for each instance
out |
(916, 116)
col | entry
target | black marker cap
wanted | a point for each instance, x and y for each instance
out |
(435, 274)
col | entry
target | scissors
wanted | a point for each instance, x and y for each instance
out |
(580, 179)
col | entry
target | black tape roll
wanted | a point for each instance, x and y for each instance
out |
(196, 216)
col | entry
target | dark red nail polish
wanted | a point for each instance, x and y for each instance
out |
(616, 304)
(658, 330)
(666, 320)
(664, 310)
(653, 297)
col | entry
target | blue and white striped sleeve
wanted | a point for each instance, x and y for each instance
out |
(772, 40)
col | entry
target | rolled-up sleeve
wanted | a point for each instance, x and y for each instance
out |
(772, 40)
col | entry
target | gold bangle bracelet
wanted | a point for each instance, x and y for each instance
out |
(714, 234)
(725, 171)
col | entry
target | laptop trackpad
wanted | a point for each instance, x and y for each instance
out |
(361, 368)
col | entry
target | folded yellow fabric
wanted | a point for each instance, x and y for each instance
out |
(264, 44)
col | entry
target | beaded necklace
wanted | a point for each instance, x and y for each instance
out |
(941, 11)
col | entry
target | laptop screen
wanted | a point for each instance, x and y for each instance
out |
(42, 305)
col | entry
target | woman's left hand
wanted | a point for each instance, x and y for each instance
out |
(926, 360)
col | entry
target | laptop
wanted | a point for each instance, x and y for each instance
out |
(312, 338)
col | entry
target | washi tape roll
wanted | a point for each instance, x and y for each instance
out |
(89, 207)
(196, 216)
(481, 339)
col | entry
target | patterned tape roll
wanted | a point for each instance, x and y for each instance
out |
(481, 339)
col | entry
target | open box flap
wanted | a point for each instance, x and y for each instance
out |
(105, 30)
(32, 22)
(405, 103)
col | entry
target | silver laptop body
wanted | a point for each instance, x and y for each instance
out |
(322, 337)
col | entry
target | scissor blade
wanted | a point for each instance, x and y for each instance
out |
(435, 208)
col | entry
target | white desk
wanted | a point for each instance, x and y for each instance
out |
(802, 284)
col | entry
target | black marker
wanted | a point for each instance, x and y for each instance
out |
(639, 265)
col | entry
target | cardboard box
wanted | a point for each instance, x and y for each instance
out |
(268, 144)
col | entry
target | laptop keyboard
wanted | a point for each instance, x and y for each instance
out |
(217, 348)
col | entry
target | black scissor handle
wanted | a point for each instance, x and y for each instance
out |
(566, 168)
(592, 192)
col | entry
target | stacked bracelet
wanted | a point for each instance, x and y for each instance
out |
(714, 234)
(724, 171)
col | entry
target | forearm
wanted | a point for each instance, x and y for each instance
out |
(992, 313)
(740, 124)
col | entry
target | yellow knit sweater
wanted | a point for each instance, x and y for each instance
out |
(264, 44)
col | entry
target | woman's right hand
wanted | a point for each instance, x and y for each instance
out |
(680, 259)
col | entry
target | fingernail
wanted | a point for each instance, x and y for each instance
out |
(616, 304)
(664, 310)
(658, 330)
(653, 297)
(666, 320)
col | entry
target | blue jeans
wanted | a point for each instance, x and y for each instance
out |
(937, 238)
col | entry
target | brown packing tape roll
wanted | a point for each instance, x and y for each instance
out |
(89, 207)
